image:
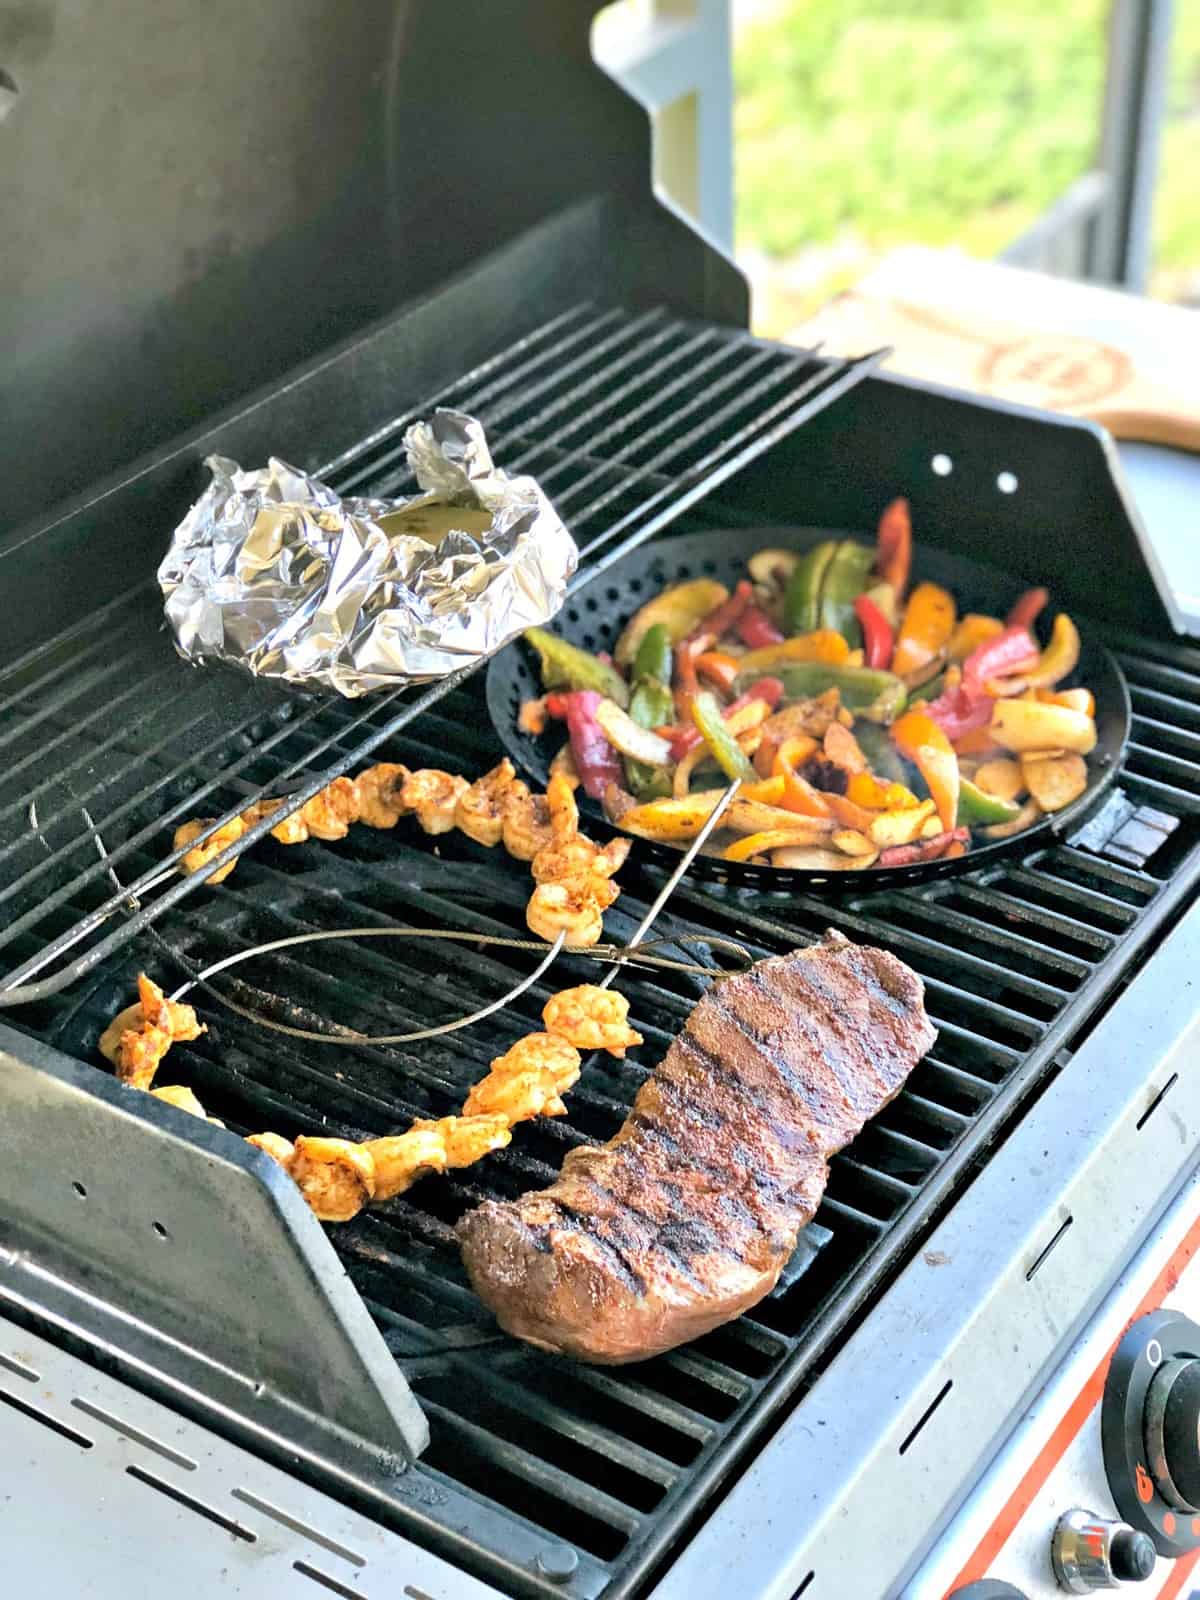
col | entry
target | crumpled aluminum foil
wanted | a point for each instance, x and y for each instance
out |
(272, 571)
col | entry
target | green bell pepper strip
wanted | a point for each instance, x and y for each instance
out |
(728, 754)
(653, 660)
(848, 574)
(802, 597)
(867, 691)
(976, 807)
(884, 760)
(566, 666)
(651, 706)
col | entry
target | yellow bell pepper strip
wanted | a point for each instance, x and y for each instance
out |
(799, 794)
(877, 696)
(870, 792)
(1026, 725)
(1074, 699)
(677, 609)
(671, 821)
(925, 632)
(823, 646)
(759, 844)
(566, 666)
(768, 792)
(847, 576)
(893, 546)
(1059, 658)
(973, 630)
(731, 759)
(802, 597)
(919, 738)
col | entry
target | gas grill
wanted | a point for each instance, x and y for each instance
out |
(170, 1310)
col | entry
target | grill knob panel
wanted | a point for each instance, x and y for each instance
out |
(1090, 1552)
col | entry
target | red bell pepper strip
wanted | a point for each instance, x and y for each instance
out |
(1028, 608)
(683, 739)
(961, 710)
(1014, 650)
(893, 550)
(718, 669)
(556, 704)
(597, 763)
(755, 629)
(879, 638)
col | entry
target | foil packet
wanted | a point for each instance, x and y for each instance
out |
(274, 572)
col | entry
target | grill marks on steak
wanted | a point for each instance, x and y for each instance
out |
(688, 1215)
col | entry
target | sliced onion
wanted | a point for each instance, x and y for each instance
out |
(623, 733)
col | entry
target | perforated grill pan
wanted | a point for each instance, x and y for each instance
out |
(595, 617)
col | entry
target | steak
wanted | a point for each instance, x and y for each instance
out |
(687, 1217)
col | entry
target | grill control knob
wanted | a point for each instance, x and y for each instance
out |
(1173, 1432)
(1090, 1552)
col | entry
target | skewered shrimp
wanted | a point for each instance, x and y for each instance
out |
(292, 830)
(563, 808)
(527, 1080)
(137, 1039)
(336, 1177)
(434, 796)
(379, 794)
(433, 1146)
(204, 853)
(591, 1019)
(480, 809)
(579, 857)
(571, 907)
(184, 1099)
(330, 812)
(564, 762)
(526, 827)
(276, 1146)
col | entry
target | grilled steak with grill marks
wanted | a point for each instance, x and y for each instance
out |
(687, 1217)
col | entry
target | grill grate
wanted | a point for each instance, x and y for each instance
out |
(1018, 961)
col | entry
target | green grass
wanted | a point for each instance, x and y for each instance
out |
(938, 122)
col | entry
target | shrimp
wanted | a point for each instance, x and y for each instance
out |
(433, 1146)
(280, 1150)
(204, 853)
(579, 857)
(571, 907)
(184, 1099)
(330, 812)
(528, 1080)
(336, 1177)
(137, 1039)
(379, 794)
(564, 762)
(591, 1019)
(563, 808)
(434, 796)
(526, 823)
(480, 809)
(292, 830)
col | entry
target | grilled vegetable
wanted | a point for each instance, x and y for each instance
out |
(650, 706)
(953, 842)
(901, 827)
(596, 761)
(845, 579)
(976, 806)
(760, 844)
(925, 632)
(751, 816)
(866, 790)
(882, 758)
(972, 631)
(1027, 725)
(1002, 779)
(877, 696)
(718, 669)
(653, 658)
(879, 639)
(802, 598)
(1013, 650)
(823, 645)
(672, 821)
(853, 843)
(772, 568)
(843, 749)
(1060, 657)
(678, 610)
(811, 858)
(565, 666)
(919, 738)
(724, 746)
(624, 734)
(893, 546)
(1074, 699)
(767, 690)
(1025, 818)
(756, 629)
(799, 794)
(1028, 608)
(1054, 781)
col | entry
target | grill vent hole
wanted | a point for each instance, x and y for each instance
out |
(209, 1513)
(160, 1230)
(1007, 483)
(326, 1582)
(45, 1419)
(927, 1413)
(942, 465)
(804, 1584)
(79, 1189)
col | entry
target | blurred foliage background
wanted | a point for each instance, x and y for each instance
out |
(866, 124)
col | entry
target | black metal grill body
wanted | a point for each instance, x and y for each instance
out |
(636, 423)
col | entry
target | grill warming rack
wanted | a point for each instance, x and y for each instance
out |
(527, 1456)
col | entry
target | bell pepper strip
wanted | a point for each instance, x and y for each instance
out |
(879, 639)
(650, 704)
(1074, 699)
(799, 794)
(768, 792)
(822, 646)
(976, 807)
(883, 597)
(566, 666)
(925, 631)
(532, 717)
(843, 810)
(756, 630)
(877, 696)
(718, 669)
(872, 794)
(653, 658)
(556, 705)
(731, 759)
(919, 737)
(677, 609)
(1028, 726)
(1059, 658)
(953, 842)
(722, 619)
(843, 749)
(893, 546)
(1028, 608)
(684, 738)
(882, 757)
(802, 597)
(847, 576)
(979, 743)
(672, 821)
(1013, 651)
(767, 839)
(597, 762)
(972, 630)
(961, 711)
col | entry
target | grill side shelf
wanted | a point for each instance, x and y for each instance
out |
(193, 1259)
